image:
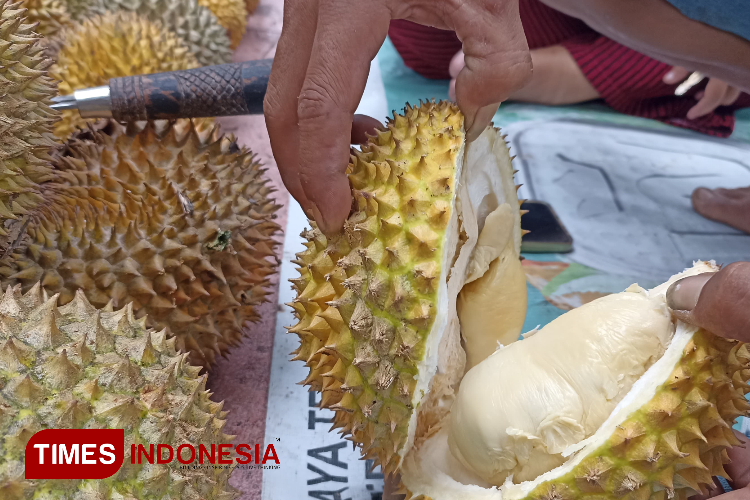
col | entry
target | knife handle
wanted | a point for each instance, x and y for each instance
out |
(223, 90)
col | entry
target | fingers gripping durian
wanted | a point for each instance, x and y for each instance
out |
(81, 367)
(612, 400)
(378, 324)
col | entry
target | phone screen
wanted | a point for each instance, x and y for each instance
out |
(547, 234)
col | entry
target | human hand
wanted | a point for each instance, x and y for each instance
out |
(717, 93)
(718, 302)
(321, 67)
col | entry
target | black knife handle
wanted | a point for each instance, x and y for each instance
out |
(223, 90)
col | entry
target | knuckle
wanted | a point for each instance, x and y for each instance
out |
(273, 103)
(316, 102)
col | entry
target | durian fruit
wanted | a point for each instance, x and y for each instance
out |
(615, 399)
(378, 324)
(109, 46)
(173, 219)
(195, 24)
(82, 367)
(81, 9)
(51, 15)
(427, 374)
(231, 15)
(26, 122)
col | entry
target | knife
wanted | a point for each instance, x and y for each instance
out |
(222, 90)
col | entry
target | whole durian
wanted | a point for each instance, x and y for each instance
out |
(196, 25)
(231, 15)
(26, 122)
(51, 15)
(82, 367)
(409, 322)
(109, 46)
(174, 219)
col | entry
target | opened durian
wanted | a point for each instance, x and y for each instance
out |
(171, 218)
(109, 46)
(615, 399)
(77, 367)
(25, 122)
(231, 15)
(377, 304)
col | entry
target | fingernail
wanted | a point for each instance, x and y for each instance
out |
(481, 120)
(669, 76)
(683, 294)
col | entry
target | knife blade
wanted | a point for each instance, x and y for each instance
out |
(222, 90)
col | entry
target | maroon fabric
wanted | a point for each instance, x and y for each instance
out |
(627, 81)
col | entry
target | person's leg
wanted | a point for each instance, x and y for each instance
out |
(729, 206)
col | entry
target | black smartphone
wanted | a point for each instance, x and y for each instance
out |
(548, 235)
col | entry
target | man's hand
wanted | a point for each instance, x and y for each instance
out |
(321, 67)
(717, 93)
(718, 302)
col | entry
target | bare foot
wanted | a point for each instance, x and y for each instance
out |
(730, 206)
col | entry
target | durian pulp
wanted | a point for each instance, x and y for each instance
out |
(517, 411)
(434, 471)
(492, 304)
(486, 203)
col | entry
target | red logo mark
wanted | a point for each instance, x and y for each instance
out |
(74, 453)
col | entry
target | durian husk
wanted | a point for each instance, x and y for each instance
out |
(51, 15)
(366, 299)
(110, 46)
(231, 15)
(175, 219)
(81, 367)
(195, 24)
(26, 122)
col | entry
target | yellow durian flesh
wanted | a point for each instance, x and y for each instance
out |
(664, 438)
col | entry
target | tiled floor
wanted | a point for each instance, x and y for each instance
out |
(241, 379)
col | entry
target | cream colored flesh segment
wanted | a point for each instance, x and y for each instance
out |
(519, 409)
(427, 471)
(481, 189)
(492, 308)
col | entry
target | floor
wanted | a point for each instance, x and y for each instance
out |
(241, 379)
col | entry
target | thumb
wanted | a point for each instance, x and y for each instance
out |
(718, 302)
(496, 59)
